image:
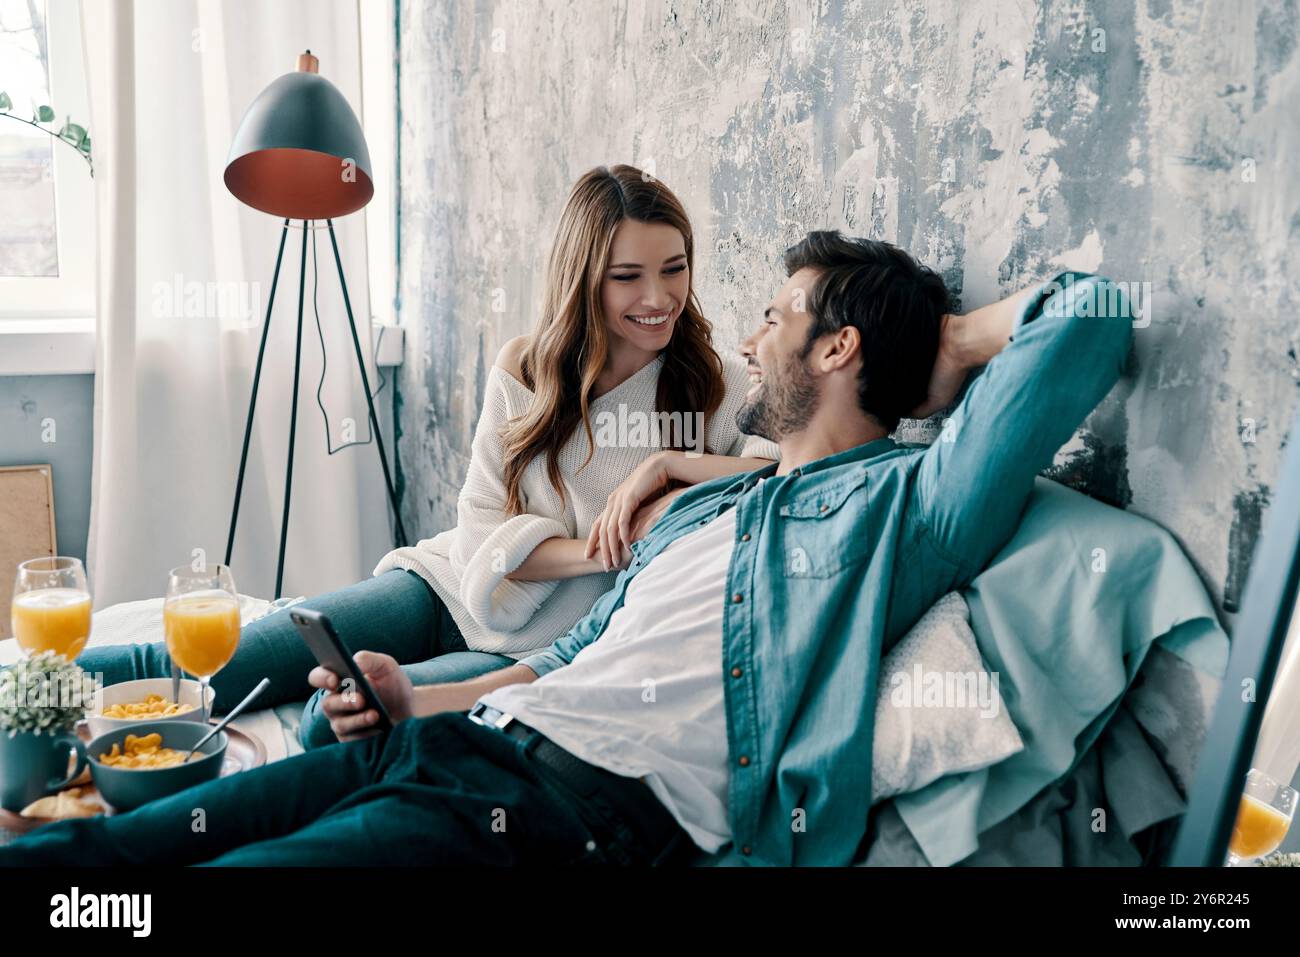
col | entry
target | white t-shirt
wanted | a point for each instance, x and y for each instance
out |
(645, 699)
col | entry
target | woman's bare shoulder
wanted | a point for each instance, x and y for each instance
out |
(510, 358)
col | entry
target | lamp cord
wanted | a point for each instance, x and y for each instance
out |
(330, 450)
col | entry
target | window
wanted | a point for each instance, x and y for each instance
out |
(378, 115)
(46, 190)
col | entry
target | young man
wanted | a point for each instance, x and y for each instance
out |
(723, 691)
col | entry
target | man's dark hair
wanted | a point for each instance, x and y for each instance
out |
(894, 302)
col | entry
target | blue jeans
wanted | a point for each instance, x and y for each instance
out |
(396, 613)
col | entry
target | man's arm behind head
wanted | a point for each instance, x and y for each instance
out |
(1070, 340)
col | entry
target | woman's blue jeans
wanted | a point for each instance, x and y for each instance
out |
(396, 613)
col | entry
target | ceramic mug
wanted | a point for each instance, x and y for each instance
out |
(34, 765)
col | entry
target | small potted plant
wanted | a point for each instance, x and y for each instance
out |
(41, 700)
(1278, 859)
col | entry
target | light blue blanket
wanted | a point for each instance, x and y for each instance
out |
(1065, 615)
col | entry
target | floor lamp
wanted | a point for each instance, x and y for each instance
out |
(299, 154)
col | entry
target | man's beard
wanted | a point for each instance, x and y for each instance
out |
(784, 404)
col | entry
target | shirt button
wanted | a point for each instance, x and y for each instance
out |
(745, 537)
(745, 850)
(797, 472)
(744, 761)
(737, 598)
(736, 672)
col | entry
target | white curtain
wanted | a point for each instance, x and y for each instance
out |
(169, 82)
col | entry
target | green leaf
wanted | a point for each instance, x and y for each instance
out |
(5, 102)
(44, 114)
(73, 133)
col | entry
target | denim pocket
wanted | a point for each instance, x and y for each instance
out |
(822, 528)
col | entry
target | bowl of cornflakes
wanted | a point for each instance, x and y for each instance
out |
(135, 765)
(146, 699)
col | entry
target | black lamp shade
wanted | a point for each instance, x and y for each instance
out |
(299, 152)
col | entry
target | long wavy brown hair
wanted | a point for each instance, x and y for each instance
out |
(568, 347)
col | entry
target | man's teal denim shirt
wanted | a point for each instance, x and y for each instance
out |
(836, 560)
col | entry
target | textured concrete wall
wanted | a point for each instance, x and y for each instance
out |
(999, 141)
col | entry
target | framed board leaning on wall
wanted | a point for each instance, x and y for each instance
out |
(26, 526)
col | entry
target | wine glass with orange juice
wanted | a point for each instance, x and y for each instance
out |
(51, 606)
(1262, 819)
(201, 621)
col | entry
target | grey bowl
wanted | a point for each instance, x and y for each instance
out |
(126, 788)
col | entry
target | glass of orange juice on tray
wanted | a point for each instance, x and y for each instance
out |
(201, 621)
(1262, 819)
(51, 606)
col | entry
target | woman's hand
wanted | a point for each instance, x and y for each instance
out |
(611, 536)
(351, 716)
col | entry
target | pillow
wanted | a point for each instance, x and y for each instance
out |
(938, 709)
(1065, 614)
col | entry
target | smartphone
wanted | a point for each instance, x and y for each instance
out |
(324, 643)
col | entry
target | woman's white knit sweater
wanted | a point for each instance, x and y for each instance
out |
(467, 565)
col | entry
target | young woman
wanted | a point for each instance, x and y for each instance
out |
(616, 392)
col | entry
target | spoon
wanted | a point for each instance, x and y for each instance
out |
(234, 712)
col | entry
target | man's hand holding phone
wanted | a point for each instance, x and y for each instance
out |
(352, 717)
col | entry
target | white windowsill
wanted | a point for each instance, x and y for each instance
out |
(67, 346)
(47, 346)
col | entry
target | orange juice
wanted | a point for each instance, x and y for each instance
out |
(202, 631)
(1259, 828)
(52, 619)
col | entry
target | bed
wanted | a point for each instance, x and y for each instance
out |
(1108, 665)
